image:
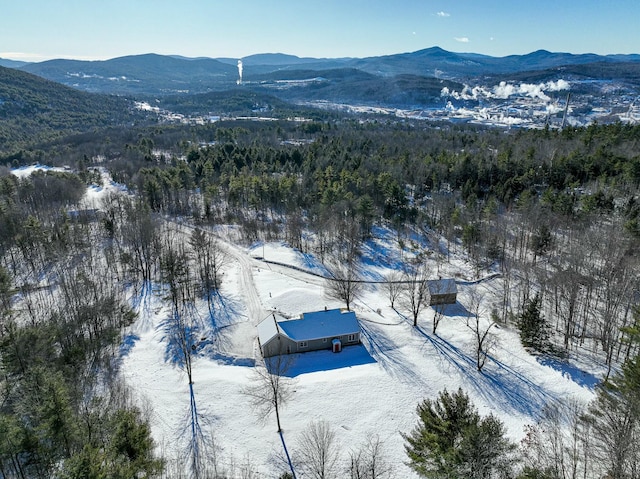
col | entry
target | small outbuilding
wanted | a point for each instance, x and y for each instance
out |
(442, 291)
(330, 329)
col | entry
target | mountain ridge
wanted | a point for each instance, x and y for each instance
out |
(34, 109)
(168, 74)
(427, 79)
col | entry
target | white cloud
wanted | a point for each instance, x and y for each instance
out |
(461, 39)
(443, 14)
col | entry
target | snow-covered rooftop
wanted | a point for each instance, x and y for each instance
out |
(442, 286)
(321, 324)
(267, 329)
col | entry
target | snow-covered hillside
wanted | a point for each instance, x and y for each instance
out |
(368, 389)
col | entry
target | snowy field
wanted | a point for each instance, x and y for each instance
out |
(372, 388)
(368, 389)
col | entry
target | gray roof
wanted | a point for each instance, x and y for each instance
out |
(442, 286)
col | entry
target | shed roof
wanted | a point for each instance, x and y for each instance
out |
(442, 286)
(320, 324)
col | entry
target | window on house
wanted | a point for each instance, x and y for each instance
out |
(303, 344)
(352, 338)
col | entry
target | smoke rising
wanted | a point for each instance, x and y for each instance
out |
(239, 72)
(505, 90)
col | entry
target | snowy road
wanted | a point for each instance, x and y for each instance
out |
(246, 264)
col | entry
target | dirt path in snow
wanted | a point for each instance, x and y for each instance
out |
(242, 336)
(239, 340)
(246, 263)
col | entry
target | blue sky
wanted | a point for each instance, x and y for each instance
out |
(35, 30)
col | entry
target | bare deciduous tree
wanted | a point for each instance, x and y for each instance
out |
(210, 258)
(369, 462)
(438, 313)
(318, 452)
(416, 292)
(481, 328)
(294, 227)
(345, 283)
(485, 342)
(181, 330)
(140, 235)
(271, 388)
(615, 432)
(438, 288)
(393, 286)
(559, 445)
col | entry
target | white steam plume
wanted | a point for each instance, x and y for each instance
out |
(239, 72)
(505, 90)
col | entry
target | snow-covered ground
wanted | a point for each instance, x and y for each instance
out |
(25, 171)
(372, 388)
(95, 193)
(368, 389)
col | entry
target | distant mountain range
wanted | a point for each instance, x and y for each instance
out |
(40, 101)
(156, 75)
(11, 63)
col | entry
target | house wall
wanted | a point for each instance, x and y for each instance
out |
(325, 343)
(284, 345)
(276, 346)
(450, 298)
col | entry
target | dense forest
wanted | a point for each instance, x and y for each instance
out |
(34, 110)
(556, 213)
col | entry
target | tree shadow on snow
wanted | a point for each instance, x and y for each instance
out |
(179, 341)
(327, 360)
(141, 300)
(127, 344)
(311, 263)
(451, 310)
(498, 383)
(386, 353)
(575, 374)
(225, 311)
(217, 331)
(206, 332)
(376, 254)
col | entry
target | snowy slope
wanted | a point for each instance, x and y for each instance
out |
(366, 389)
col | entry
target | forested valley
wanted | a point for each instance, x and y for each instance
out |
(555, 213)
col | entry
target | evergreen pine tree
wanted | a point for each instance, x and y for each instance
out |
(451, 440)
(534, 331)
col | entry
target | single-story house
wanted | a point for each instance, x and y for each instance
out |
(442, 291)
(329, 329)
